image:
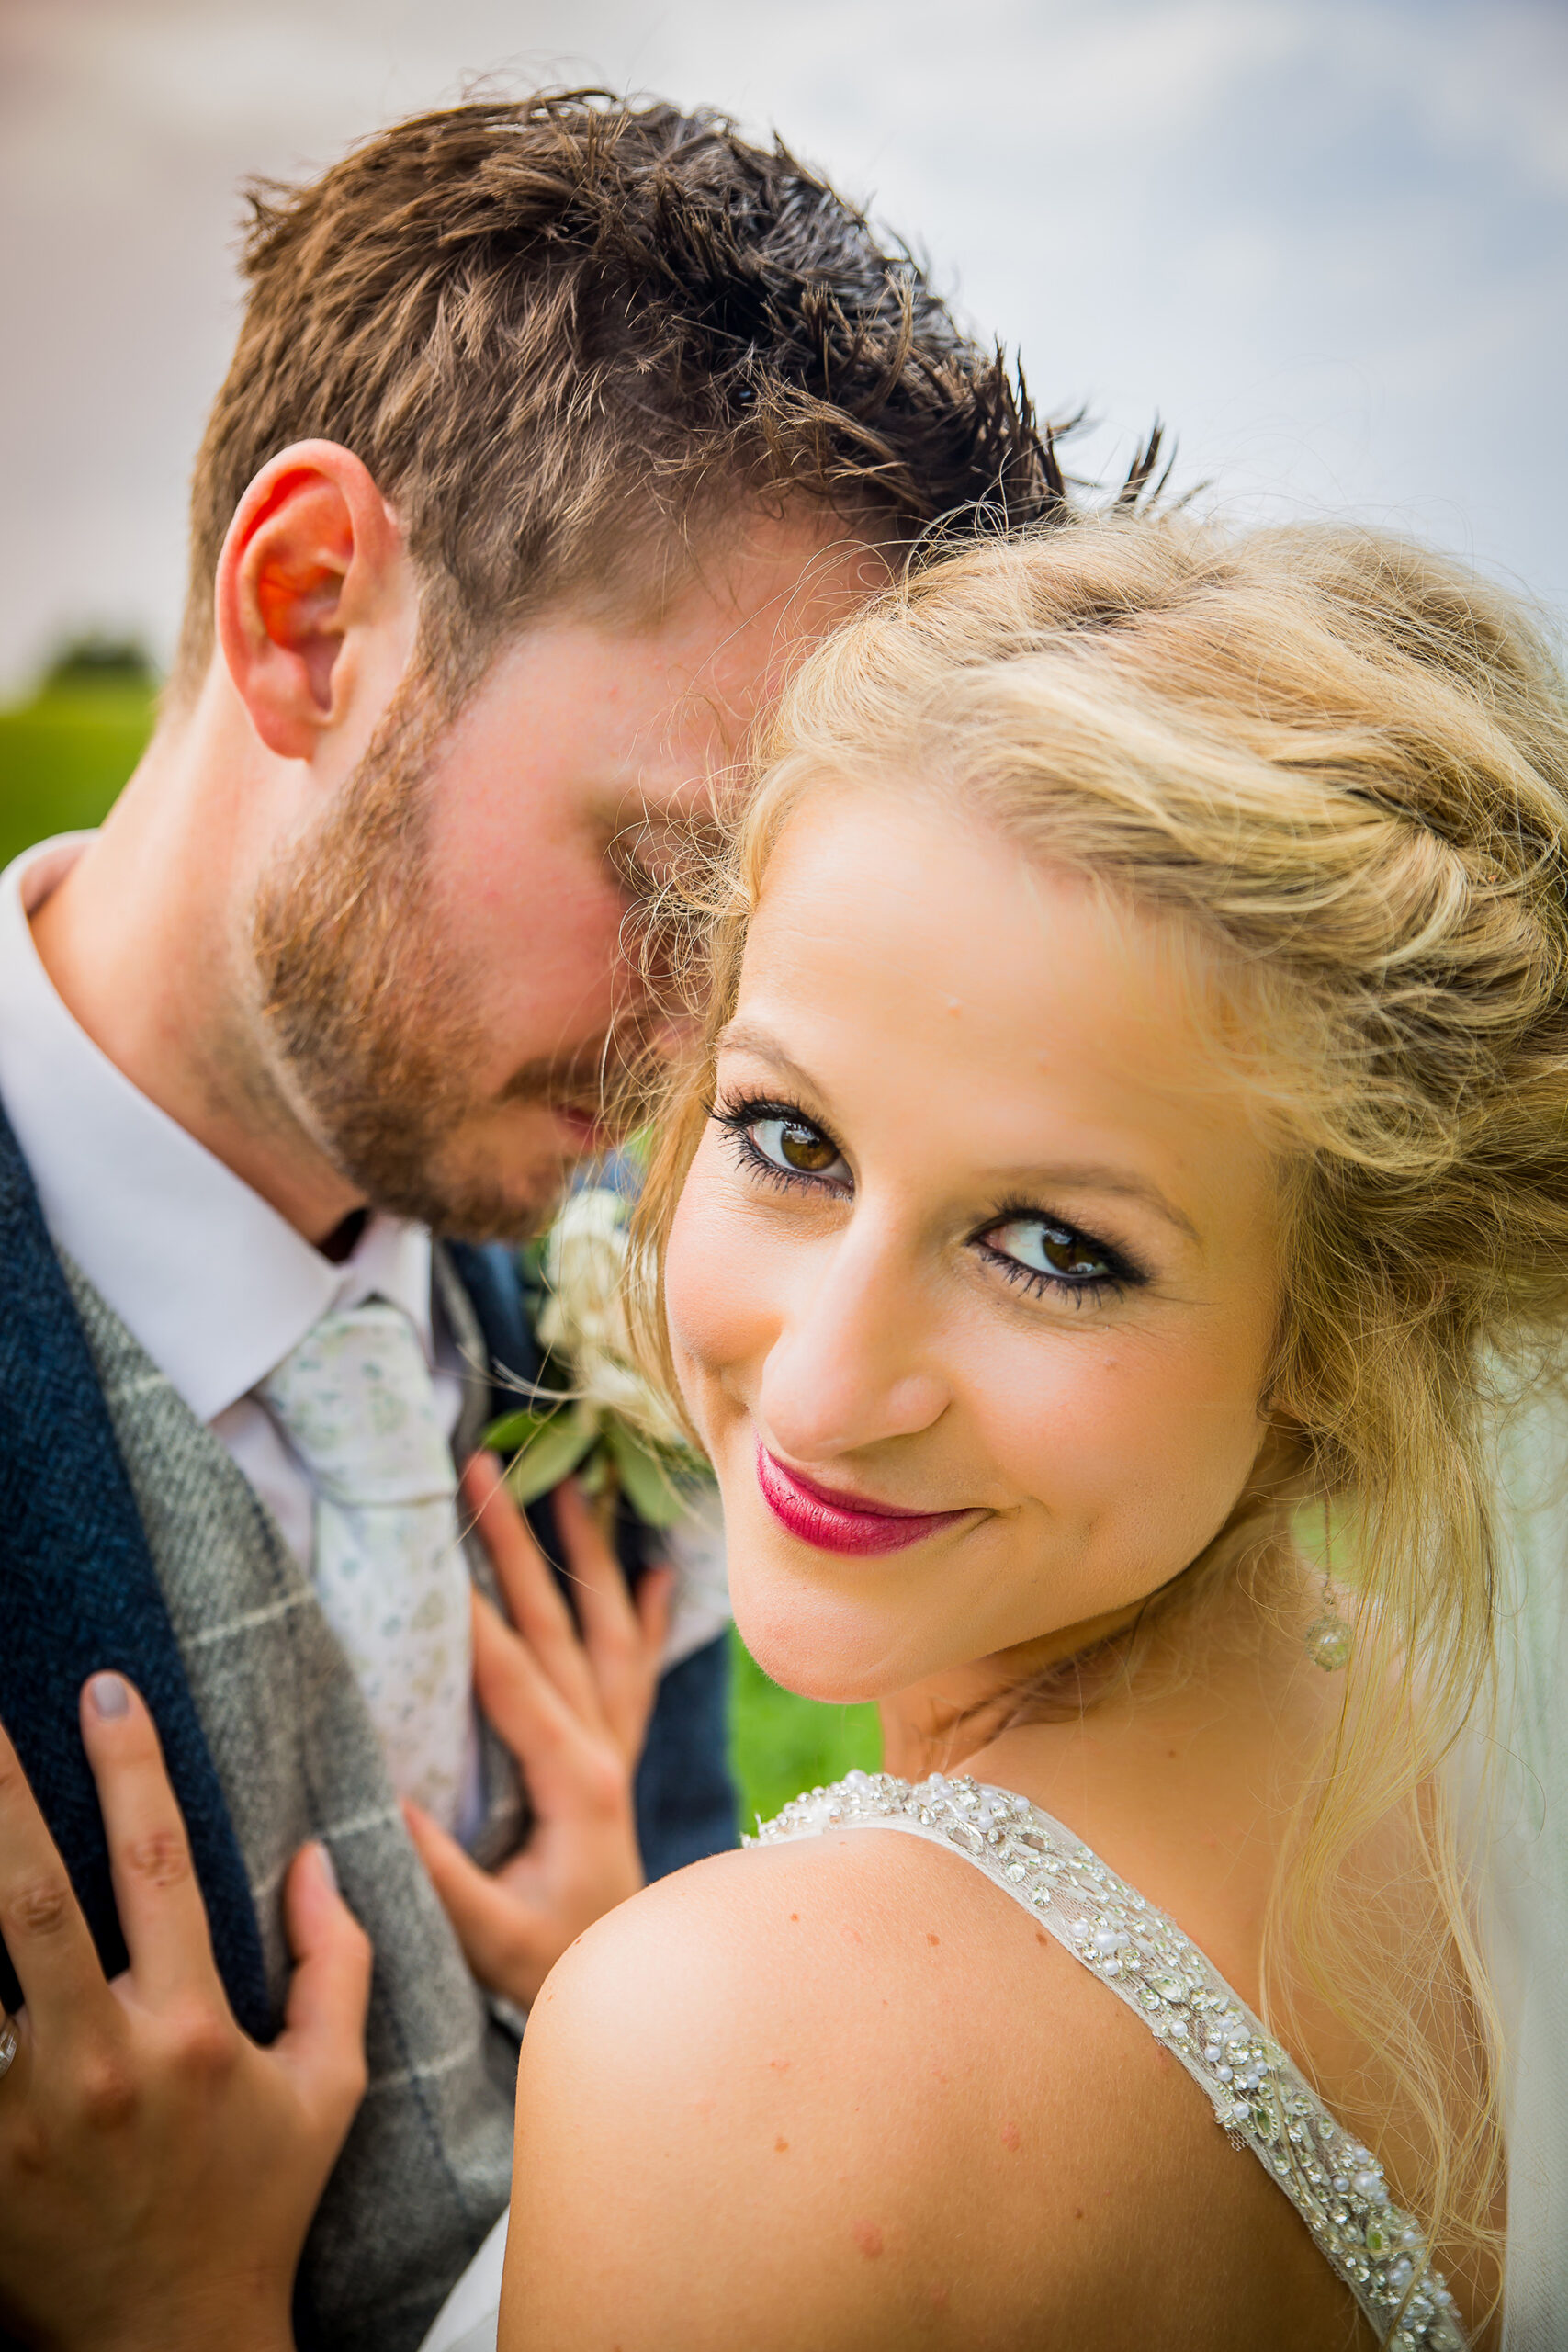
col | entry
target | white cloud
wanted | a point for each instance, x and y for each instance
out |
(1326, 237)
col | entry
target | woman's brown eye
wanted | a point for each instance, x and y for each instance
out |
(1067, 1254)
(1049, 1249)
(796, 1148)
(804, 1149)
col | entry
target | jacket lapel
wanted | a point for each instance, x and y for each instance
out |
(81, 1594)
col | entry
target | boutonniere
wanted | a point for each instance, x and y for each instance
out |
(592, 1412)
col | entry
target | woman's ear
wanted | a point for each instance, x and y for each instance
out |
(312, 556)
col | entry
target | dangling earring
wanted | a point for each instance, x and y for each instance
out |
(1329, 1639)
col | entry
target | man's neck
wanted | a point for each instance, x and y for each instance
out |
(143, 941)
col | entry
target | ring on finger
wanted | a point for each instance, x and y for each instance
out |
(10, 2042)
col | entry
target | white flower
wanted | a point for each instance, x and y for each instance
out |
(583, 1319)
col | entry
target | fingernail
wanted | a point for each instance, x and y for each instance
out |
(110, 1697)
(329, 1868)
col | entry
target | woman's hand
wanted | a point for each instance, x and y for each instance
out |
(158, 2170)
(573, 1709)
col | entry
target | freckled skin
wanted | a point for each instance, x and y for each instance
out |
(868, 2237)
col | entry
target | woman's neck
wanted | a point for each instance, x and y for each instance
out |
(1179, 1749)
(1134, 1676)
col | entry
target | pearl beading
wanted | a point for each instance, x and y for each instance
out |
(1257, 2091)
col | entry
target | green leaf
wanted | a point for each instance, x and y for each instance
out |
(551, 1452)
(595, 1475)
(648, 1487)
(515, 1431)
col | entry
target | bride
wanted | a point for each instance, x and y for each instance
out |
(1128, 1138)
(1118, 1195)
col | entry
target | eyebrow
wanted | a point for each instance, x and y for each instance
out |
(1071, 1174)
(748, 1037)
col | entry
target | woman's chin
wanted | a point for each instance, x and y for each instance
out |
(814, 1659)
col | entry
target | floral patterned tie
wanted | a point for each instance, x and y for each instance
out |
(356, 1402)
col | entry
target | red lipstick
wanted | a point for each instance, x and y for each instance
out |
(838, 1523)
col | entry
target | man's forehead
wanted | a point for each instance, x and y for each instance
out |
(745, 612)
(677, 695)
(619, 718)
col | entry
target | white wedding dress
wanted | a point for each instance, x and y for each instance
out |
(1143, 1958)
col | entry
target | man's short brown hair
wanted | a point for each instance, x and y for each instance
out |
(564, 332)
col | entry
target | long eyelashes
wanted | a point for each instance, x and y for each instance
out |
(1035, 1282)
(1116, 1271)
(1100, 1271)
(740, 1118)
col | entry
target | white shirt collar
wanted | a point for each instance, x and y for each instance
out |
(216, 1285)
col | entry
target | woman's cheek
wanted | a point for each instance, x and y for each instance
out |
(1135, 1456)
(1058, 1422)
(714, 1296)
(1149, 1450)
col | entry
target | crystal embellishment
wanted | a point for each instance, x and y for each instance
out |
(1257, 2091)
(1328, 1641)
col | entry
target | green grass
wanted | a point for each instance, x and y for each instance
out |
(780, 1745)
(64, 756)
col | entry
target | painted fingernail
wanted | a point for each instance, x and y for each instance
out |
(110, 1698)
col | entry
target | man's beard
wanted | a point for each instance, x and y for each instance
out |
(364, 999)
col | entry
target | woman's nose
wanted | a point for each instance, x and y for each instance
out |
(853, 1364)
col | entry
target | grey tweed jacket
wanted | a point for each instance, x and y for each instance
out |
(427, 2166)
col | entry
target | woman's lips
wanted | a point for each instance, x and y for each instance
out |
(842, 1523)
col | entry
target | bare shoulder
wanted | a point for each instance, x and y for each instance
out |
(843, 2093)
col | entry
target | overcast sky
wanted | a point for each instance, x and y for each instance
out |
(1326, 240)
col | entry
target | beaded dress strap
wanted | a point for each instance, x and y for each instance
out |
(1255, 2089)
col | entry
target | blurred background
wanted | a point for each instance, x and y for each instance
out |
(1326, 241)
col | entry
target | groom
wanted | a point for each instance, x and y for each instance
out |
(555, 432)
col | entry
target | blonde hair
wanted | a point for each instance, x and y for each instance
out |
(1344, 764)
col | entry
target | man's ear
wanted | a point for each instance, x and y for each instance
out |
(313, 558)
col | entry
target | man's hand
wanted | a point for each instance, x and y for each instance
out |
(573, 1709)
(158, 2171)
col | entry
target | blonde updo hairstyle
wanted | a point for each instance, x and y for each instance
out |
(1341, 764)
